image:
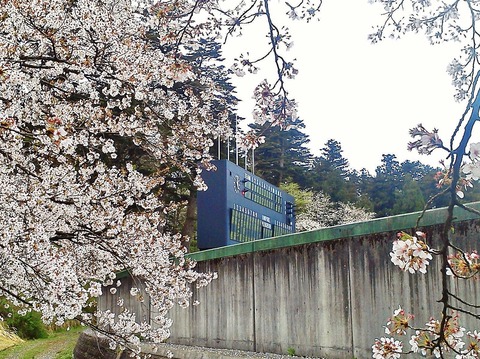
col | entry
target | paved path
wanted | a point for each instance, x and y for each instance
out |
(90, 346)
(190, 352)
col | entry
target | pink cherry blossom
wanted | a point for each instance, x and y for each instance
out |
(410, 253)
(387, 348)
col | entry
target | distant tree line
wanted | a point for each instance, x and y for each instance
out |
(395, 187)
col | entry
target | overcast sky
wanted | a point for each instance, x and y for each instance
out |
(365, 96)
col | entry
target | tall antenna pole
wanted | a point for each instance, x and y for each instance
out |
(218, 145)
(253, 160)
(236, 140)
(228, 147)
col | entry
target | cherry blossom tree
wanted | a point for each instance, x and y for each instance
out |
(321, 212)
(441, 21)
(100, 104)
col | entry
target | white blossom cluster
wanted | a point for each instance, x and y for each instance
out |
(269, 107)
(387, 348)
(464, 264)
(472, 169)
(411, 253)
(322, 212)
(440, 21)
(427, 342)
(422, 341)
(79, 81)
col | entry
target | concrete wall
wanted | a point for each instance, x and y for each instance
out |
(324, 293)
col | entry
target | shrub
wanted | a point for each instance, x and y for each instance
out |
(28, 326)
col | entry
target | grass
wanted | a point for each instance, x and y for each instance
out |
(58, 345)
(7, 339)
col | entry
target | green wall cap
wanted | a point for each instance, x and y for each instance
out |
(379, 225)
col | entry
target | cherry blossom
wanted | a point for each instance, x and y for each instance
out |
(472, 169)
(428, 141)
(86, 87)
(440, 22)
(411, 253)
(387, 348)
(399, 322)
(271, 108)
(424, 341)
(427, 341)
(321, 212)
(472, 351)
(465, 264)
(443, 21)
(101, 104)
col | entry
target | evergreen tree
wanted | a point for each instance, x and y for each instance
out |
(363, 182)
(418, 170)
(202, 56)
(331, 174)
(403, 187)
(332, 158)
(284, 154)
(409, 198)
(425, 176)
(388, 181)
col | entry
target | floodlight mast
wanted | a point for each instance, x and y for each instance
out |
(219, 144)
(236, 140)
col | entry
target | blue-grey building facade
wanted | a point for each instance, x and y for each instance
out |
(240, 207)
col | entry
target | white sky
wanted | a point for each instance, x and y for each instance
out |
(365, 96)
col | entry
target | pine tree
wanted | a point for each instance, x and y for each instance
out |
(388, 181)
(331, 174)
(284, 155)
(332, 158)
(409, 198)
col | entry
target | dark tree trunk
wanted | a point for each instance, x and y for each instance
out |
(188, 229)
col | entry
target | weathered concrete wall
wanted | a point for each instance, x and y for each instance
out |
(141, 308)
(324, 293)
(225, 320)
(323, 297)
